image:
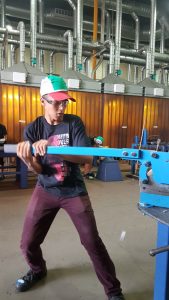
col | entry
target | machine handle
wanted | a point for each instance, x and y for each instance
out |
(10, 148)
(159, 250)
(125, 153)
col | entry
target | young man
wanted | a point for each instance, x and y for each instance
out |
(60, 185)
(3, 138)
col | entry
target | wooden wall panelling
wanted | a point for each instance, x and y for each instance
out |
(22, 110)
(164, 134)
(122, 119)
(19, 106)
(147, 116)
(28, 106)
(38, 103)
(4, 105)
(134, 106)
(102, 114)
(107, 120)
(156, 116)
(162, 120)
(10, 114)
(33, 103)
(123, 128)
(112, 119)
(88, 106)
(16, 112)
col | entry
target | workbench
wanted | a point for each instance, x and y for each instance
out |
(21, 171)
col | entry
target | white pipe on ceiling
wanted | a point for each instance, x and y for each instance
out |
(153, 33)
(68, 34)
(41, 30)
(118, 33)
(21, 28)
(72, 4)
(33, 31)
(79, 35)
(137, 30)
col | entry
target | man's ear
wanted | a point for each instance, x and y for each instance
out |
(42, 101)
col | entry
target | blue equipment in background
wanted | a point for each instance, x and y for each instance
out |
(150, 143)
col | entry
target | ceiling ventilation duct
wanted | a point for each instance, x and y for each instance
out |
(151, 88)
(166, 91)
(80, 82)
(22, 74)
(75, 80)
(113, 84)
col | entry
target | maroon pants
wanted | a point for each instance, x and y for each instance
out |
(41, 212)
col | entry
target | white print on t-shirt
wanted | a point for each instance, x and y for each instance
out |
(59, 140)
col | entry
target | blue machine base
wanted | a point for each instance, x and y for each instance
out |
(161, 290)
(154, 200)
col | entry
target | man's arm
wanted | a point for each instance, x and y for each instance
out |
(78, 159)
(24, 153)
(40, 149)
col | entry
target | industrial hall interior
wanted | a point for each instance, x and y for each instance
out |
(84, 149)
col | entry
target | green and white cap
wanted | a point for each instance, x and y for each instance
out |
(99, 140)
(55, 87)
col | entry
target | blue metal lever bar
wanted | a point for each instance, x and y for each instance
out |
(106, 152)
(158, 161)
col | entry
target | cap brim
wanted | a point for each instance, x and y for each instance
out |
(60, 96)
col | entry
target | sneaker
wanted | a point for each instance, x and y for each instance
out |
(117, 297)
(89, 176)
(26, 282)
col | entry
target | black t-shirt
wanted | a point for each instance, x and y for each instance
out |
(3, 131)
(59, 177)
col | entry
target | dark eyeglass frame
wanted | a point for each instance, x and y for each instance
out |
(56, 103)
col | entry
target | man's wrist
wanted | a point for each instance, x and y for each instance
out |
(34, 167)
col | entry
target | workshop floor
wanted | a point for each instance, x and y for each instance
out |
(70, 274)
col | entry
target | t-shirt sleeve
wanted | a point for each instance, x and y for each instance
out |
(29, 134)
(79, 137)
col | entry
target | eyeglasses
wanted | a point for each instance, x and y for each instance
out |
(55, 103)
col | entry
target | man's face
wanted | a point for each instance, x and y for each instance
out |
(54, 109)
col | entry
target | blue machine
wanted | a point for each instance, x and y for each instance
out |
(157, 161)
(145, 143)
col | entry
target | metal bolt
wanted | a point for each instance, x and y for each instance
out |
(133, 154)
(155, 155)
(148, 164)
(125, 154)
